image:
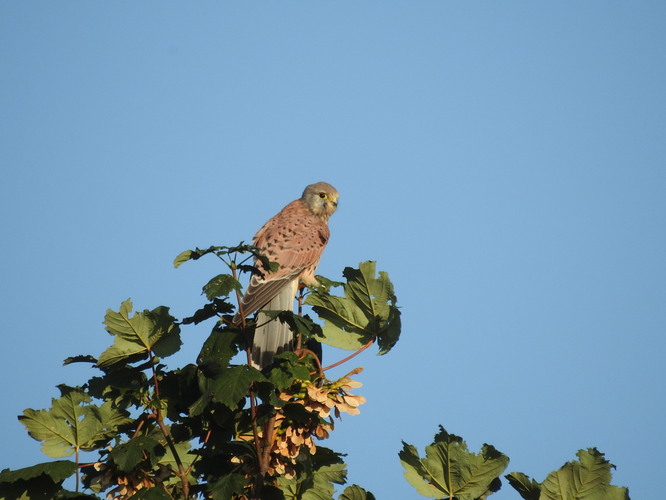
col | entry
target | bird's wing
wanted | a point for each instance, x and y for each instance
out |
(295, 239)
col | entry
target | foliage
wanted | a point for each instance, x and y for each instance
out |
(449, 470)
(216, 428)
(587, 478)
(365, 313)
(220, 429)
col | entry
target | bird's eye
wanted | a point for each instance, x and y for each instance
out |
(322, 195)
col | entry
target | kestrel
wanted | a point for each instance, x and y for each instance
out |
(294, 238)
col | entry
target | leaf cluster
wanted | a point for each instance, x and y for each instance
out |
(216, 428)
(365, 313)
(219, 428)
(587, 478)
(450, 471)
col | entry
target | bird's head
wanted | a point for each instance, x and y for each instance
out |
(321, 198)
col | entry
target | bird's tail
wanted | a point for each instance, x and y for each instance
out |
(271, 336)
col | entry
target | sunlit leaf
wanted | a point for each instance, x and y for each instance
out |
(355, 492)
(318, 477)
(182, 257)
(71, 423)
(367, 310)
(450, 470)
(587, 478)
(137, 336)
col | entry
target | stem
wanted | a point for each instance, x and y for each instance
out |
(255, 428)
(301, 353)
(182, 473)
(139, 427)
(372, 341)
(77, 471)
(239, 299)
(299, 299)
(269, 433)
(259, 449)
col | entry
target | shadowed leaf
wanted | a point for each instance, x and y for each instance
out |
(221, 286)
(81, 358)
(528, 488)
(151, 494)
(131, 453)
(233, 384)
(58, 471)
(355, 492)
(37, 482)
(227, 486)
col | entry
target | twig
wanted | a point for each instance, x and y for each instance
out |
(372, 341)
(167, 436)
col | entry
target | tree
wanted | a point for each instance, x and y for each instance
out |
(220, 429)
(217, 428)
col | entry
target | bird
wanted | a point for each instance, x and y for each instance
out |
(294, 238)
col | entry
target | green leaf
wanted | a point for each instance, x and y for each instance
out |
(38, 482)
(297, 323)
(72, 495)
(241, 248)
(450, 470)
(217, 351)
(71, 424)
(322, 485)
(209, 310)
(227, 486)
(355, 492)
(137, 336)
(287, 368)
(184, 455)
(315, 486)
(588, 478)
(317, 477)
(111, 419)
(57, 471)
(233, 384)
(56, 436)
(366, 312)
(81, 358)
(528, 488)
(123, 385)
(182, 257)
(221, 286)
(151, 494)
(131, 453)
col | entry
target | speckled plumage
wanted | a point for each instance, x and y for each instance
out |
(294, 238)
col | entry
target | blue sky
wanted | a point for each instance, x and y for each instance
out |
(504, 162)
